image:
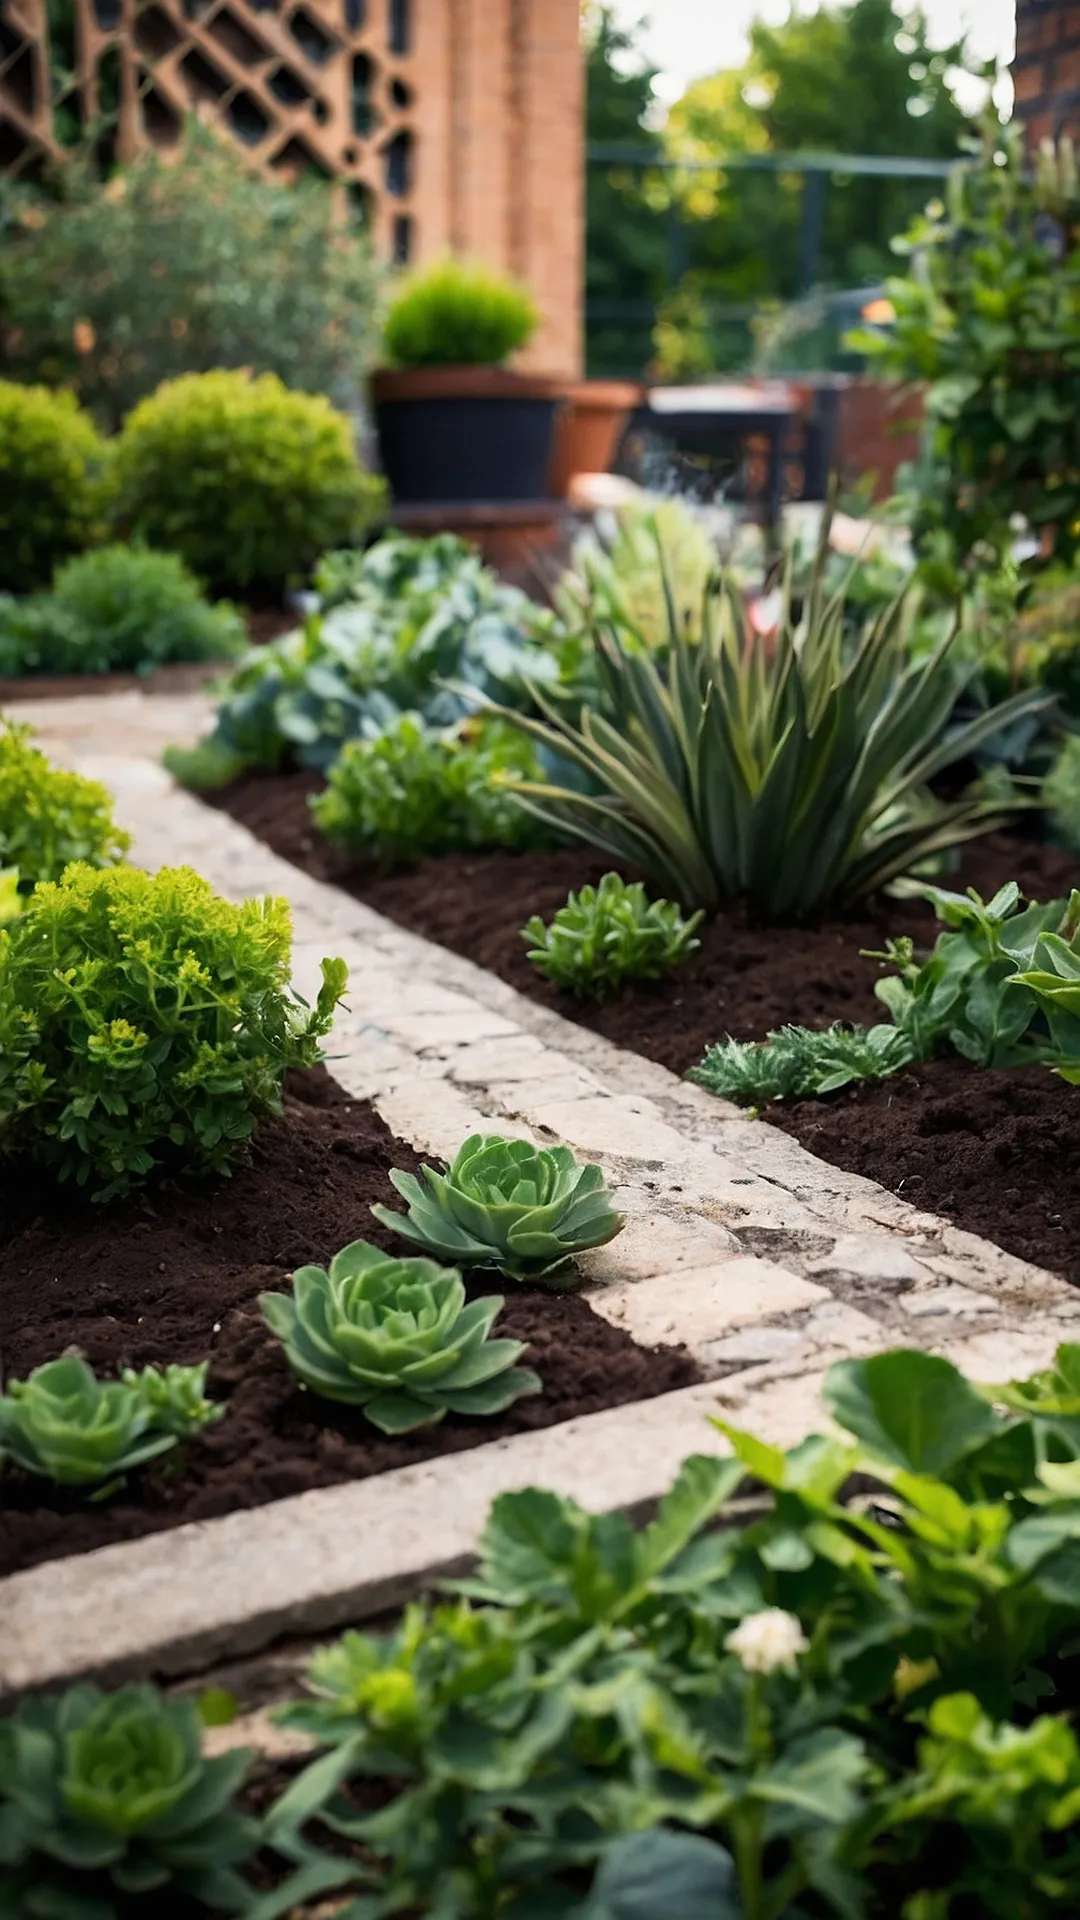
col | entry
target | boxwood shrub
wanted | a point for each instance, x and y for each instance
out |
(246, 480)
(53, 465)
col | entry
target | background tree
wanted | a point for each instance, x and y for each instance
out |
(852, 77)
(626, 263)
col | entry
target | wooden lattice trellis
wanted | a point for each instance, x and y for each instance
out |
(323, 85)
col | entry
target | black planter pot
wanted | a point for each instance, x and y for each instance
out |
(457, 434)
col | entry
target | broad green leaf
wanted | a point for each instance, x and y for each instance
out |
(911, 1409)
(663, 1875)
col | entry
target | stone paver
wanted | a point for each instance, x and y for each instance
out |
(764, 1261)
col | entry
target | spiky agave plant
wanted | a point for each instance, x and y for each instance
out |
(784, 769)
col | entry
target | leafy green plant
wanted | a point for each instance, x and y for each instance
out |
(795, 771)
(409, 626)
(410, 791)
(506, 1203)
(64, 1423)
(800, 1063)
(52, 483)
(967, 996)
(822, 1707)
(49, 816)
(458, 313)
(244, 479)
(114, 610)
(609, 935)
(106, 1798)
(180, 264)
(1061, 793)
(986, 318)
(1052, 980)
(145, 1020)
(395, 1338)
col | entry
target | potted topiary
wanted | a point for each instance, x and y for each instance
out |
(455, 423)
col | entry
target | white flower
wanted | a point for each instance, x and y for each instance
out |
(766, 1641)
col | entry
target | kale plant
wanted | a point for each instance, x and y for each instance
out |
(410, 626)
(396, 1338)
(609, 935)
(65, 1424)
(145, 1020)
(49, 816)
(527, 1210)
(106, 1799)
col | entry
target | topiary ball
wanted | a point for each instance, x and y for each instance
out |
(244, 478)
(53, 468)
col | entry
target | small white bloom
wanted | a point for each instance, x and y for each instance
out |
(767, 1641)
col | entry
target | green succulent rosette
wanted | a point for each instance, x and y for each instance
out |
(506, 1203)
(396, 1338)
(106, 1796)
(65, 1424)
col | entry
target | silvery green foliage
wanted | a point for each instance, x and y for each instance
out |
(798, 1063)
(396, 1338)
(508, 1204)
(608, 935)
(65, 1424)
(106, 1797)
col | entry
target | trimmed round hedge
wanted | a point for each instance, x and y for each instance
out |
(53, 466)
(247, 480)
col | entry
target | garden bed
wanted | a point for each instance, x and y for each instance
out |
(175, 1275)
(996, 1153)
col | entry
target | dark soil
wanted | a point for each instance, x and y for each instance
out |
(996, 1152)
(175, 1275)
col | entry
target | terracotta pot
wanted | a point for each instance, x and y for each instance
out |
(458, 434)
(589, 428)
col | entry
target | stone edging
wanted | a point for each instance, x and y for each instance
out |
(766, 1262)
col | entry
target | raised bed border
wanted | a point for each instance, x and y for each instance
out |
(769, 1264)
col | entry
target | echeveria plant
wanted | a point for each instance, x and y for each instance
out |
(64, 1423)
(107, 1796)
(509, 1204)
(396, 1338)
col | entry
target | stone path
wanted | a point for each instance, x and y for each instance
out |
(766, 1262)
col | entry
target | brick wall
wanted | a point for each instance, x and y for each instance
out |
(500, 159)
(1046, 70)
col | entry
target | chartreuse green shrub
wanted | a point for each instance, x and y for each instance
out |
(53, 465)
(458, 313)
(145, 1020)
(506, 1203)
(608, 935)
(396, 1338)
(49, 816)
(116, 609)
(65, 1424)
(411, 791)
(972, 995)
(852, 1698)
(107, 1808)
(408, 626)
(246, 480)
(795, 771)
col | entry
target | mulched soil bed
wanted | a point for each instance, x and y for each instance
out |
(174, 1276)
(998, 1153)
